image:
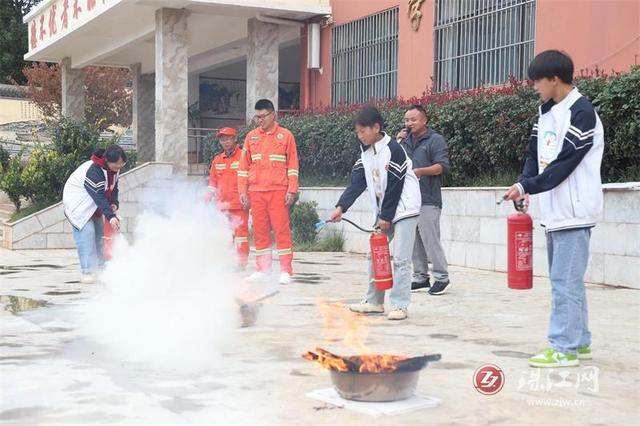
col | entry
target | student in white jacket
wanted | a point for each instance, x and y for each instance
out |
(563, 167)
(90, 193)
(385, 170)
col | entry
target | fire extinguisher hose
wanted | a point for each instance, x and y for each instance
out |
(322, 223)
(358, 226)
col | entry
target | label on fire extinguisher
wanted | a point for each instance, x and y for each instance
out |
(524, 251)
(382, 260)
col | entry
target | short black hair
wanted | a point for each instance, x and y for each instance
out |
(113, 153)
(418, 108)
(369, 116)
(551, 63)
(264, 104)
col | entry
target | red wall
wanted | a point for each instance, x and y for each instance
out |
(415, 54)
(602, 33)
(605, 33)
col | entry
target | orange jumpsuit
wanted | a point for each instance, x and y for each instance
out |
(223, 182)
(268, 170)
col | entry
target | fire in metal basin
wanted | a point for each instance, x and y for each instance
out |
(372, 377)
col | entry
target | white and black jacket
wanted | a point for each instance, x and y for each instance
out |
(85, 192)
(563, 163)
(387, 172)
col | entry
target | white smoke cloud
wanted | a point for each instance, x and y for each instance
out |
(168, 296)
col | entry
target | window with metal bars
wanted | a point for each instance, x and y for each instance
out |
(482, 42)
(364, 58)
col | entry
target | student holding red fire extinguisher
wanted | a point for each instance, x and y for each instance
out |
(385, 170)
(562, 169)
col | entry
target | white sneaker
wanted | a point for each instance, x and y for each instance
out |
(365, 307)
(257, 277)
(285, 278)
(87, 279)
(397, 314)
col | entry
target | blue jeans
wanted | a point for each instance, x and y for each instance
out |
(568, 254)
(89, 243)
(402, 236)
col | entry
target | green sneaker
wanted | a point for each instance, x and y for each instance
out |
(550, 358)
(584, 353)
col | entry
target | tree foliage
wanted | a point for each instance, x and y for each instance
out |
(107, 95)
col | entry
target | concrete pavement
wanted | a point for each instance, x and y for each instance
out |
(51, 375)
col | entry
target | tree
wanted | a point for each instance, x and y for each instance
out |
(14, 39)
(107, 96)
(44, 87)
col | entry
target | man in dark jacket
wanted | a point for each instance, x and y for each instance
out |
(430, 155)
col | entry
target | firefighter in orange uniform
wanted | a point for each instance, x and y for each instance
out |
(223, 185)
(268, 182)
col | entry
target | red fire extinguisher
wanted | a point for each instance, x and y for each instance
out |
(109, 235)
(520, 249)
(381, 261)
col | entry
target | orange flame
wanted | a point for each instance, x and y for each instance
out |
(380, 363)
(341, 325)
(327, 362)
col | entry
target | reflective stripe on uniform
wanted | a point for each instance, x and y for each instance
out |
(255, 157)
(243, 173)
(221, 166)
(292, 172)
(263, 252)
(280, 158)
(235, 164)
(284, 252)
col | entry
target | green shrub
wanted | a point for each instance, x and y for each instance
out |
(303, 220)
(42, 177)
(210, 148)
(132, 161)
(487, 130)
(617, 100)
(4, 157)
(333, 241)
(11, 181)
(74, 141)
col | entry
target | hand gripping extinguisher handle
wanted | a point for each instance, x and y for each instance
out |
(520, 206)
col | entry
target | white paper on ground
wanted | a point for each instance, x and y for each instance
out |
(416, 402)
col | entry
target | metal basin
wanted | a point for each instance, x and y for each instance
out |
(375, 387)
(249, 310)
(248, 314)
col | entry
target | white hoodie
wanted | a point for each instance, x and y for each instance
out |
(387, 172)
(563, 163)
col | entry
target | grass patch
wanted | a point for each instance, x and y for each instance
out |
(498, 179)
(333, 241)
(630, 174)
(26, 211)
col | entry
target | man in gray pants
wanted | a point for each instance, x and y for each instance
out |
(430, 155)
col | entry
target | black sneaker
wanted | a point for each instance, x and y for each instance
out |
(439, 288)
(417, 286)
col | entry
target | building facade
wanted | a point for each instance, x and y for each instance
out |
(201, 64)
(386, 48)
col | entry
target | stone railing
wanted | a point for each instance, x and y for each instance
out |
(49, 229)
(474, 231)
